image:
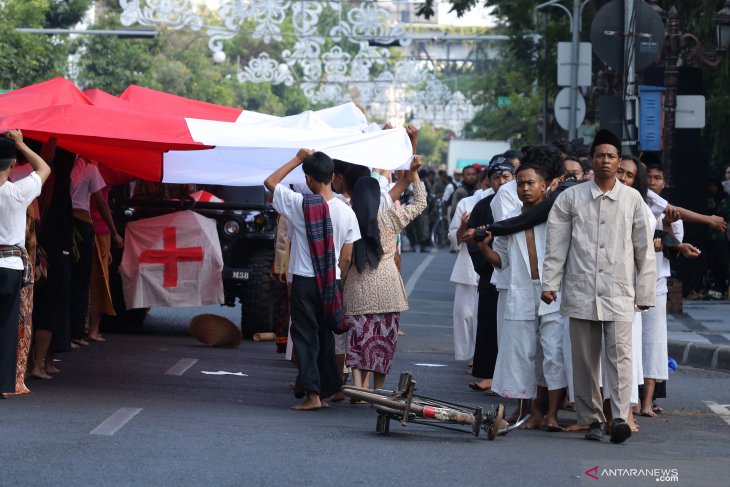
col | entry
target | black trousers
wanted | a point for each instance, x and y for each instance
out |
(81, 279)
(10, 281)
(314, 343)
(485, 347)
(51, 301)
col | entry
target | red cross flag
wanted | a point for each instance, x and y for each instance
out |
(172, 260)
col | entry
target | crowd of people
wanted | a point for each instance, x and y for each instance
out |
(561, 272)
(561, 278)
(561, 285)
(56, 232)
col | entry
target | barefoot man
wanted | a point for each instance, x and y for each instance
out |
(530, 359)
(319, 222)
(14, 200)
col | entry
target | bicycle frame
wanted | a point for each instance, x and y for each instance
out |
(406, 407)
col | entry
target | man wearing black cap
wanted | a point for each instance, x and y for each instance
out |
(599, 246)
(14, 200)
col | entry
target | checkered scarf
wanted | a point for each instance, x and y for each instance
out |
(16, 251)
(322, 249)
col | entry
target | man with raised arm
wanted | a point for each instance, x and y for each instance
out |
(14, 200)
(323, 231)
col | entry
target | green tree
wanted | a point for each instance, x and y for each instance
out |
(30, 58)
(65, 13)
(178, 62)
(516, 17)
(110, 63)
(433, 145)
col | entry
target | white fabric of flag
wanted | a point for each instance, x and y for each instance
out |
(172, 260)
(248, 150)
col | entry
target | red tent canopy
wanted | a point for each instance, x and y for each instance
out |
(131, 142)
(160, 102)
(128, 136)
(56, 91)
(101, 98)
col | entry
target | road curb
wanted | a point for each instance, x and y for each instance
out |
(703, 355)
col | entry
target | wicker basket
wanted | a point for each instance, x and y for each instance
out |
(215, 331)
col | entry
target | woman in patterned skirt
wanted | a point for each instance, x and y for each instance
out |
(374, 294)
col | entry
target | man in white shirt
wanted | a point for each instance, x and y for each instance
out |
(14, 200)
(313, 341)
(86, 186)
(466, 279)
(654, 320)
(530, 350)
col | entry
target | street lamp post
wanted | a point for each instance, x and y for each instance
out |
(675, 43)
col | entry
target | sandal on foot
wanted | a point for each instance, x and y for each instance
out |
(474, 386)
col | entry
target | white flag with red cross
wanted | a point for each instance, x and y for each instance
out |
(172, 260)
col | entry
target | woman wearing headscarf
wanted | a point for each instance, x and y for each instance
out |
(374, 294)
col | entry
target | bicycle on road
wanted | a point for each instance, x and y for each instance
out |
(439, 220)
(404, 406)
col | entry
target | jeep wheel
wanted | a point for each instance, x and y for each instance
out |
(258, 300)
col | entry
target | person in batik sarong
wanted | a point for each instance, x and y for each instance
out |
(374, 294)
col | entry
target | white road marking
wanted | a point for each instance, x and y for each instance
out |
(722, 410)
(417, 274)
(181, 366)
(449, 327)
(114, 423)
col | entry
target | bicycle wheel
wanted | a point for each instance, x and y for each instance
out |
(440, 233)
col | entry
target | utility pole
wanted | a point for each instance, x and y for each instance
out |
(544, 89)
(572, 129)
(629, 132)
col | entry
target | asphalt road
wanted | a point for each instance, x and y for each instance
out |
(138, 410)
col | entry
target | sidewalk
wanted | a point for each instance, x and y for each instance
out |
(700, 336)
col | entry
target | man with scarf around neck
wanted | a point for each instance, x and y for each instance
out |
(334, 232)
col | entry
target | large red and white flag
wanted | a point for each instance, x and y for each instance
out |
(157, 136)
(172, 260)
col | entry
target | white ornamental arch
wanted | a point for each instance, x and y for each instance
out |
(328, 75)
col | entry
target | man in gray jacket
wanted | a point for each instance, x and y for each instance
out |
(599, 246)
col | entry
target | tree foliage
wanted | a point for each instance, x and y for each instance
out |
(28, 58)
(433, 145)
(537, 61)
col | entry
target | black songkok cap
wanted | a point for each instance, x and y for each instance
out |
(7, 148)
(604, 136)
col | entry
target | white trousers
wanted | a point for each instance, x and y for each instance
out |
(465, 321)
(501, 304)
(530, 354)
(654, 340)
